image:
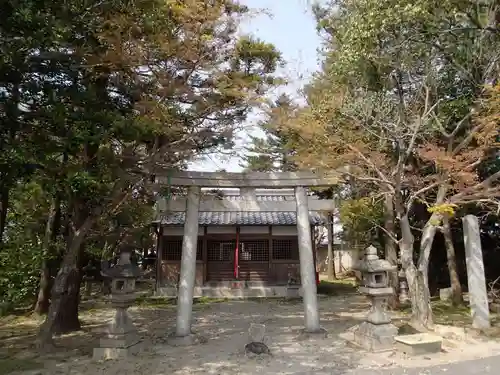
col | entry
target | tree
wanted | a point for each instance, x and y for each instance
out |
(274, 151)
(100, 97)
(173, 101)
(395, 109)
(20, 37)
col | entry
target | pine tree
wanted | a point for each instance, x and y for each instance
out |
(274, 151)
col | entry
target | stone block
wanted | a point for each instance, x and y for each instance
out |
(445, 294)
(478, 297)
(419, 343)
(293, 292)
(374, 337)
(495, 308)
(114, 353)
(257, 332)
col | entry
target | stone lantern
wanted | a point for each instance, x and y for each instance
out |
(376, 332)
(403, 287)
(121, 339)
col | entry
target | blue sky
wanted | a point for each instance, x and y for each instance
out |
(291, 28)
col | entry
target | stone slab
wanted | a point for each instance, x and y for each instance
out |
(374, 337)
(100, 354)
(419, 343)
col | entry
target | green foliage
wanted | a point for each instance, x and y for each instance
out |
(360, 219)
(96, 97)
(397, 106)
(448, 209)
(19, 274)
(22, 253)
(273, 151)
(400, 83)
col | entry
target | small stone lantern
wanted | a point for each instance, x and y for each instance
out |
(376, 332)
(121, 339)
(403, 287)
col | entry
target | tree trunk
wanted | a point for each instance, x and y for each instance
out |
(67, 318)
(43, 299)
(331, 264)
(63, 311)
(428, 234)
(456, 287)
(4, 205)
(421, 309)
(421, 286)
(391, 254)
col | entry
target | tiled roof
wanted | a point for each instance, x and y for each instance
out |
(241, 218)
(265, 198)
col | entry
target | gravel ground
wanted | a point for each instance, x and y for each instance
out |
(225, 325)
(490, 365)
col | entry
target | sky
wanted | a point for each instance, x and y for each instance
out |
(291, 28)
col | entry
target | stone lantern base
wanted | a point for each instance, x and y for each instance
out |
(121, 340)
(114, 353)
(375, 337)
(376, 332)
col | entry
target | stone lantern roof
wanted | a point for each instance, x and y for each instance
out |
(372, 263)
(124, 269)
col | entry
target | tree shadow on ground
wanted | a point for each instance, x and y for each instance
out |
(225, 325)
(339, 287)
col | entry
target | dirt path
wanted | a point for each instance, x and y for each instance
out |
(483, 366)
(225, 325)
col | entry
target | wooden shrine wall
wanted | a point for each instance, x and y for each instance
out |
(271, 257)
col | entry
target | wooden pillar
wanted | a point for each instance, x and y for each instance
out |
(204, 254)
(188, 264)
(330, 255)
(159, 255)
(307, 269)
(270, 245)
(313, 243)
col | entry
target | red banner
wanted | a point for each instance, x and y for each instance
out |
(236, 257)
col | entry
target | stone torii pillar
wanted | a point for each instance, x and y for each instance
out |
(307, 269)
(188, 268)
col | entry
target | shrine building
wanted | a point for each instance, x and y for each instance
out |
(248, 244)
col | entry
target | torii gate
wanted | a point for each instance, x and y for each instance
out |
(247, 182)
